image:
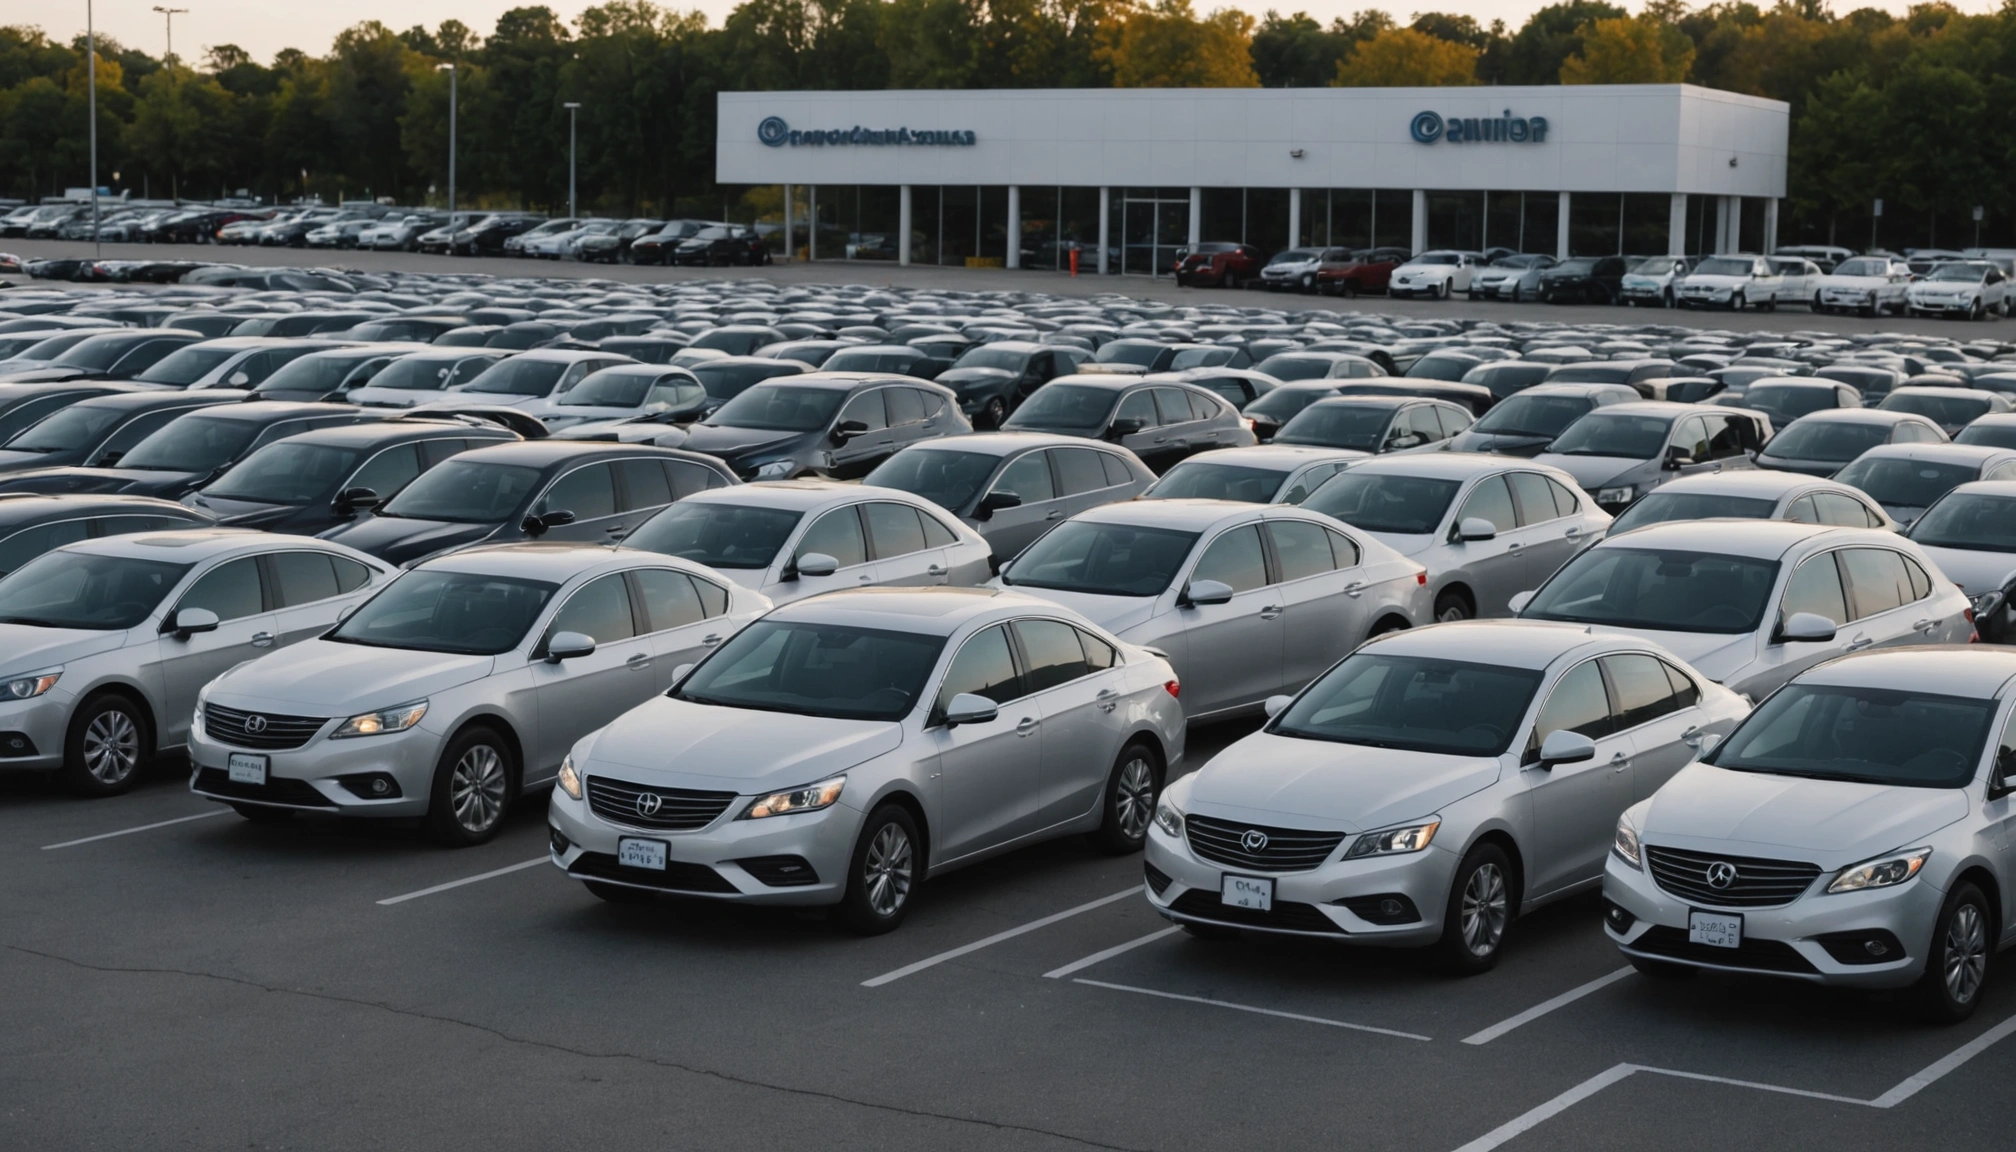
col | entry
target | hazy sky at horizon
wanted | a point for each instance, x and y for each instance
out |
(264, 28)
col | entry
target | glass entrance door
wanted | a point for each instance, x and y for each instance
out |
(1154, 223)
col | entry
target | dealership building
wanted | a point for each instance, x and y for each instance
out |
(1126, 176)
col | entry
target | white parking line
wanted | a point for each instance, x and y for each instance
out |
(1250, 1008)
(1108, 954)
(998, 937)
(520, 867)
(1918, 1081)
(1542, 1009)
(141, 828)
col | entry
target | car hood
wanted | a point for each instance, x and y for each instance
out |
(1698, 280)
(43, 375)
(27, 461)
(1591, 472)
(1975, 572)
(1116, 614)
(733, 749)
(25, 648)
(625, 431)
(1854, 282)
(961, 379)
(1278, 779)
(323, 677)
(1507, 443)
(135, 481)
(241, 513)
(1831, 823)
(1821, 468)
(397, 539)
(725, 442)
(1716, 655)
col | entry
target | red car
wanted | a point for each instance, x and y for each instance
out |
(1367, 270)
(1218, 265)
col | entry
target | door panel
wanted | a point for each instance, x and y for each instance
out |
(1243, 637)
(1010, 530)
(245, 631)
(590, 494)
(1077, 739)
(1575, 806)
(989, 775)
(579, 695)
(1497, 567)
(1320, 621)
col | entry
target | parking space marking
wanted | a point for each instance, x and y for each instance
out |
(1252, 1009)
(130, 831)
(1919, 1081)
(504, 871)
(998, 937)
(1108, 954)
(1542, 1009)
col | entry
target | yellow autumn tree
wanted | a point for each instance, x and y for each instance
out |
(1167, 45)
(1630, 50)
(1406, 58)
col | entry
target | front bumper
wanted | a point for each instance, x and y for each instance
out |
(32, 731)
(312, 778)
(1941, 307)
(1646, 922)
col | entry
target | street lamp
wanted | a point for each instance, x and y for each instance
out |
(91, 74)
(169, 15)
(572, 106)
(452, 75)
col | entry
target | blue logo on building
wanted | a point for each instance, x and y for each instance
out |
(1428, 127)
(774, 132)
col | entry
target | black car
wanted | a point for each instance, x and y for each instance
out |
(207, 322)
(658, 247)
(189, 452)
(1159, 422)
(1375, 423)
(826, 424)
(1584, 280)
(301, 323)
(22, 405)
(1505, 377)
(1475, 397)
(98, 431)
(409, 329)
(328, 375)
(730, 376)
(613, 247)
(738, 339)
(571, 490)
(117, 355)
(32, 525)
(1525, 424)
(317, 480)
(655, 349)
(902, 359)
(991, 380)
(721, 245)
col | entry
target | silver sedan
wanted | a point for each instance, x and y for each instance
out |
(1259, 474)
(1754, 495)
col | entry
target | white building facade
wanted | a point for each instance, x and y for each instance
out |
(1123, 177)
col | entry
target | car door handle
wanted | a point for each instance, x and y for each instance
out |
(1691, 737)
(1925, 625)
(710, 641)
(1512, 547)
(262, 640)
(1271, 612)
(1355, 589)
(1107, 699)
(1619, 762)
(1054, 514)
(639, 662)
(1859, 643)
(1574, 533)
(1027, 726)
(935, 570)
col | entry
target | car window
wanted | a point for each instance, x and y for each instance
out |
(589, 493)
(1566, 502)
(713, 597)
(1725, 437)
(1876, 580)
(599, 610)
(983, 667)
(1079, 470)
(230, 590)
(1537, 499)
(1921, 583)
(350, 575)
(906, 406)
(1577, 704)
(670, 599)
(936, 534)
(1117, 472)
(1846, 511)
(1029, 478)
(690, 478)
(1172, 406)
(894, 529)
(1053, 652)
(1691, 437)
(1234, 558)
(29, 543)
(1139, 406)
(1301, 548)
(1099, 655)
(868, 408)
(1686, 693)
(1816, 587)
(389, 471)
(1643, 691)
(302, 578)
(837, 534)
(136, 430)
(1490, 500)
(645, 484)
(1803, 511)
(1203, 407)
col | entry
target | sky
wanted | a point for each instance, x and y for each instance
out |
(263, 27)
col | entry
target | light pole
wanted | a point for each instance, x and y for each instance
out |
(452, 74)
(91, 75)
(572, 106)
(169, 15)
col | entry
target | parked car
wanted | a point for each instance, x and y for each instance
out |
(1908, 478)
(241, 362)
(1732, 282)
(657, 247)
(992, 380)
(525, 379)
(1438, 275)
(188, 452)
(1296, 268)
(1970, 532)
(121, 354)
(1011, 487)
(1952, 408)
(1622, 451)
(826, 424)
(1995, 431)
(1975, 289)
(1754, 495)
(32, 525)
(902, 359)
(1650, 282)
(613, 246)
(97, 432)
(721, 245)
(1160, 423)
(1289, 367)
(1867, 285)
(1514, 277)
(1374, 424)
(1528, 421)
(1799, 280)
(1236, 386)
(1583, 280)
(328, 375)
(23, 405)
(1822, 443)
(1216, 264)
(657, 392)
(1261, 474)
(422, 376)
(1360, 271)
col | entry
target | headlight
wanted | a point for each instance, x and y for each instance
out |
(1394, 841)
(569, 781)
(1625, 844)
(810, 798)
(378, 723)
(775, 469)
(29, 687)
(1169, 820)
(1615, 495)
(1884, 873)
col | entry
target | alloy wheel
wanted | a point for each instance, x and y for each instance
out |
(1965, 958)
(885, 873)
(1485, 909)
(1134, 803)
(111, 747)
(477, 788)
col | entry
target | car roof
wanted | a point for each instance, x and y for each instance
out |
(848, 381)
(1005, 443)
(927, 611)
(1280, 457)
(1530, 644)
(1655, 408)
(371, 434)
(1563, 388)
(1980, 454)
(195, 545)
(268, 411)
(1110, 381)
(563, 355)
(1370, 400)
(545, 453)
(1960, 393)
(1758, 539)
(18, 508)
(1976, 671)
(1188, 515)
(1859, 416)
(555, 561)
(2005, 489)
(805, 495)
(1752, 482)
(1455, 465)
(151, 398)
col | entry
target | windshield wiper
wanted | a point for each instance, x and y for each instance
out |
(29, 621)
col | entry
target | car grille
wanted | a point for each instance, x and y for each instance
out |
(678, 876)
(230, 726)
(1287, 915)
(1286, 850)
(277, 790)
(669, 809)
(1758, 883)
(1761, 955)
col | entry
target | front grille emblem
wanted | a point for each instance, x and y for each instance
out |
(1721, 874)
(254, 725)
(1254, 841)
(648, 803)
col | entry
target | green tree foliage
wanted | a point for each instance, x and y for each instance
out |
(1405, 58)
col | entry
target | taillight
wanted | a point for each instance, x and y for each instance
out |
(1173, 687)
(1421, 578)
(1246, 422)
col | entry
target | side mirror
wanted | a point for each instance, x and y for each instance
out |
(238, 380)
(1677, 458)
(1202, 592)
(1125, 426)
(1806, 628)
(1709, 741)
(348, 611)
(568, 646)
(816, 564)
(1476, 528)
(108, 459)
(848, 429)
(1276, 705)
(536, 525)
(1519, 601)
(1565, 747)
(189, 621)
(358, 498)
(681, 672)
(967, 708)
(994, 502)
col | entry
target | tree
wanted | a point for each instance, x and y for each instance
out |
(1405, 58)
(1168, 46)
(1536, 53)
(1629, 51)
(1297, 52)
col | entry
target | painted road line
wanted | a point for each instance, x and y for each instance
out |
(141, 828)
(505, 871)
(1918, 1081)
(1539, 1010)
(1108, 954)
(998, 937)
(1250, 1008)
(1533, 1118)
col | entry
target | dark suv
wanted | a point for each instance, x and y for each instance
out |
(1584, 280)
(1218, 265)
(720, 245)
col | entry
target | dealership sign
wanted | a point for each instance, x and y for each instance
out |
(1428, 127)
(776, 133)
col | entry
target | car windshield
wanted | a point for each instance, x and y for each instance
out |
(1656, 266)
(466, 491)
(97, 353)
(1830, 442)
(51, 347)
(1282, 404)
(1064, 406)
(727, 381)
(1862, 268)
(1590, 374)
(194, 443)
(185, 366)
(614, 388)
(947, 478)
(1358, 426)
(1883, 736)
(1600, 434)
(286, 473)
(1901, 483)
(431, 611)
(1103, 559)
(1966, 520)
(518, 377)
(80, 590)
(1784, 403)
(77, 426)
(1532, 416)
(1947, 411)
(1288, 366)
(1134, 352)
(1409, 505)
(1957, 274)
(415, 374)
(318, 372)
(780, 408)
(1197, 479)
(1006, 359)
(1297, 256)
(1664, 590)
(805, 669)
(1414, 704)
(1575, 267)
(1659, 507)
(1723, 266)
(717, 535)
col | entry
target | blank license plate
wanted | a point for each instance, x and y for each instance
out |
(641, 854)
(1247, 892)
(1715, 929)
(245, 769)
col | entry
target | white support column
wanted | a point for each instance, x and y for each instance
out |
(1676, 226)
(1196, 217)
(790, 242)
(903, 226)
(1735, 223)
(1014, 226)
(1294, 217)
(1770, 224)
(811, 222)
(1722, 243)
(1418, 238)
(1562, 219)
(1105, 219)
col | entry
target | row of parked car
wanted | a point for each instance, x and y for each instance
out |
(1526, 613)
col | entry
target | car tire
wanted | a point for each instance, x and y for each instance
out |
(1229, 280)
(1516, 295)
(883, 872)
(1663, 970)
(1308, 283)
(995, 411)
(1217, 933)
(108, 747)
(1974, 309)
(1453, 606)
(617, 893)
(1736, 302)
(1350, 290)
(474, 784)
(263, 813)
(1958, 957)
(1479, 914)
(1127, 805)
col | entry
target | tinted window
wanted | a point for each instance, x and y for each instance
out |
(1080, 469)
(1413, 703)
(1099, 655)
(1882, 736)
(690, 478)
(782, 408)
(1831, 442)
(1577, 704)
(1055, 656)
(837, 534)
(1643, 692)
(670, 599)
(230, 590)
(817, 670)
(1845, 511)
(894, 529)
(868, 408)
(1140, 406)
(1172, 406)
(1198, 479)
(713, 597)
(717, 535)
(1815, 587)
(350, 575)
(1029, 478)
(29, 543)
(1235, 559)
(1602, 434)
(1384, 503)
(1490, 500)
(303, 577)
(600, 610)
(448, 612)
(386, 473)
(984, 667)
(1536, 497)
(1302, 549)
(1334, 425)
(1686, 693)
(198, 443)
(1344, 550)
(1876, 580)
(465, 490)
(76, 590)
(1075, 406)
(906, 405)
(1117, 472)
(1667, 590)
(1659, 507)
(1103, 559)
(644, 484)
(589, 493)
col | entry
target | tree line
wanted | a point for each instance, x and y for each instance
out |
(1918, 109)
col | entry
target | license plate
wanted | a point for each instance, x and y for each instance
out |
(245, 769)
(1250, 892)
(641, 853)
(1715, 929)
